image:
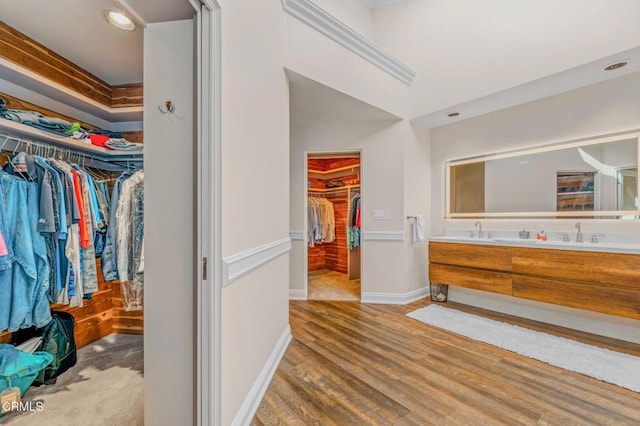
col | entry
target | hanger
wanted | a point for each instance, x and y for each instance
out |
(6, 139)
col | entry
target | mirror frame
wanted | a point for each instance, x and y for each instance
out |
(635, 134)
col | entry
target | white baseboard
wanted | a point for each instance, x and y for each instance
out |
(253, 399)
(297, 295)
(395, 298)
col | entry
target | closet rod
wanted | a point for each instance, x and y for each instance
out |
(15, 144)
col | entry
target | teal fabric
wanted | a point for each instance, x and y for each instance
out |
(19, 368)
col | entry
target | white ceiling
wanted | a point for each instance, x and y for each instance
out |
(312, 102)
(468, 50)
(380, 3)
(76, 30)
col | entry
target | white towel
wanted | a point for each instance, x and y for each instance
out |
(418, 228)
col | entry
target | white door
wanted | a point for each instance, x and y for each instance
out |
(170, 240)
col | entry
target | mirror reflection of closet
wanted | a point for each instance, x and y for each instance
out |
(333, 231)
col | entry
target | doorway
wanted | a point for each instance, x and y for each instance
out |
(333, 226)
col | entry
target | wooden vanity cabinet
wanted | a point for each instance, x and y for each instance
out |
(481, 267)
(596, 281)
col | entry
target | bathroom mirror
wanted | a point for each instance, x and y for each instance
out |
(595, 178)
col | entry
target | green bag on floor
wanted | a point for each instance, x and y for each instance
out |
(19, 369)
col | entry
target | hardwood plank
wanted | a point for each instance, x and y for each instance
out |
(606, 269)
(137, 136)
(370, 364)
(598, 298)
(495, 282)
(494, 258)
(126, 95)
(35, 57)
(28, 53)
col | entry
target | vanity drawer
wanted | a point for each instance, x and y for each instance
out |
(496, 282)
(598, 298)
(606, 269)
(495, 258)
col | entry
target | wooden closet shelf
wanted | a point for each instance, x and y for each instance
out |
(340, 188)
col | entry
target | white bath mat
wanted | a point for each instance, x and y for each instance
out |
(603, 364)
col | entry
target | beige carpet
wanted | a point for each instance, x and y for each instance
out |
(330, 285)
(104, 388)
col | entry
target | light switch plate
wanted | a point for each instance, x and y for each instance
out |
(381, 214)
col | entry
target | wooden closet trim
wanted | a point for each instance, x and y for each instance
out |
(21, 50)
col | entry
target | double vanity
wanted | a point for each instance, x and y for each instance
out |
(596, 276)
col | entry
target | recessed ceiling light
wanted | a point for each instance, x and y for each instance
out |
(453, 114)
(615, 66)
(118, 20)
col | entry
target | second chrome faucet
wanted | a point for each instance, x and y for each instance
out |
(579, 233)
(480, 233)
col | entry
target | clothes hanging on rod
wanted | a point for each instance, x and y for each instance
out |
(54, 217)
(353, 230)
(123, 254)
(321, 226)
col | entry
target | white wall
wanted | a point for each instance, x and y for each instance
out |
(315, 56)
(169, 225)
(417, 175)
(255, 190)
(353, 13)
(462, 50)
(388, 267)
(604, 108)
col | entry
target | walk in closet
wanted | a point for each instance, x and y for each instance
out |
(333, 226)
(80, 147)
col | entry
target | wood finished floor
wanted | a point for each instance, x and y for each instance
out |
(331, 285)
(354, 364)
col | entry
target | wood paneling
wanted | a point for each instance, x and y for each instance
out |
(97, 317)
(15, 103)
(334, 255)
(125, 322)
(93, 318)
(337, 251)
(597, 298)
(359, 364)
(137, 136)
(33, 56)
(126, 95)
(606, 269)
(327, 164)
(28, 53)
(495, 282)
(495, 258)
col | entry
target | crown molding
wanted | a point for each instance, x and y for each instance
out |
(317, 18)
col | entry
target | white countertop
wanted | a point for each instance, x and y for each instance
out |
(606, 247)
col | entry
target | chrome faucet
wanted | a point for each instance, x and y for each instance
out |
(579, 233)
(479, 226)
